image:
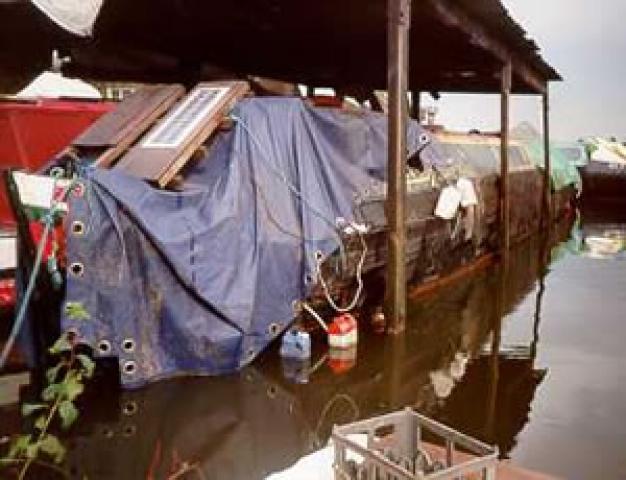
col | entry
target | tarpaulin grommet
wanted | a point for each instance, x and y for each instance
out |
(130, 408)
(108, 433)
(78, 228)
(129, 430)
(128, 345)
(77, 269)
(129, 367)
(274, 328)
(104, 347)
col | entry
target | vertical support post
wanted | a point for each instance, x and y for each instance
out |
(416, 104)
(547, 184)
(398, 24)
(505, 201)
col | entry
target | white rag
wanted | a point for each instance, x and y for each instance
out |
(76, 16)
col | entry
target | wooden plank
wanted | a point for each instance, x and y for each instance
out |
(116, 131)
(165, 150)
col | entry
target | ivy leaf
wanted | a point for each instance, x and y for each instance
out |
(19, 445)
(51, 446)
(52, 373)
(71, 387)
(51, 392)
(87, 363)
(76, 311)
(32, 450)
(68, 413)
(61, 345)
(29, 408)
(40, 423)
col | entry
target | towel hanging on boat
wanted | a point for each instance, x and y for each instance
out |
(451, 197)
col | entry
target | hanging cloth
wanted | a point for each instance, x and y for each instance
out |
(75, 16)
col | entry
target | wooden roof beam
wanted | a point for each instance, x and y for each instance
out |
(454, 16)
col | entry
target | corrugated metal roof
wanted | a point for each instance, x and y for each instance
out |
(497, 17)
(334, 43)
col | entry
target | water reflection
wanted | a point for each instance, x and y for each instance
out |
(450, 365)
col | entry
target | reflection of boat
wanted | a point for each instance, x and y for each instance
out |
(517, 381)
(604, 241)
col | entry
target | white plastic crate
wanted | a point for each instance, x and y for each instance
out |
(396, 450)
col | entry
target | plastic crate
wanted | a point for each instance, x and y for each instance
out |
(396, 449)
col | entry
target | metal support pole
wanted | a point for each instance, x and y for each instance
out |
(398, 23)
(547, 184)
(505, 201)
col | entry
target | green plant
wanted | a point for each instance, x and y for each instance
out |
(65, 383)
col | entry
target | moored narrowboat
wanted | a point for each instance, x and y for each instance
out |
(222, 266)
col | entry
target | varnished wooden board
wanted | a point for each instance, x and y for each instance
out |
(169, 145)
(116, 131)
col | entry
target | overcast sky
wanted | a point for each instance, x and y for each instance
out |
(586, 42)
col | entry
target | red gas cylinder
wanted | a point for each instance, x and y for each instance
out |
(342, 360)
(343, 331)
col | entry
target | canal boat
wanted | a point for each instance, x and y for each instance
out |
(437, 248)
(263, 217)
(32, 131)
(604, 177)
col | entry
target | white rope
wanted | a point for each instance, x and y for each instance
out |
(358, 274)
(315, 315)
(323, 216)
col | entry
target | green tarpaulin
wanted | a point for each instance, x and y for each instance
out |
(562, 172)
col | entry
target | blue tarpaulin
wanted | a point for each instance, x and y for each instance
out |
(199, 281)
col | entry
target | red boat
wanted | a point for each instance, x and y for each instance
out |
(31, 132)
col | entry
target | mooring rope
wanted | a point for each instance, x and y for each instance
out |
(21, 314)
(358, 274)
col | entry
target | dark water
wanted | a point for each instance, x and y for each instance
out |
(535, 365)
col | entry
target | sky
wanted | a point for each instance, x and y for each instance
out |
(586, 42)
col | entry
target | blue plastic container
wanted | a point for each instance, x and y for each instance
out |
(296, 344)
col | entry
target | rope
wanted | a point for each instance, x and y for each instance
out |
(315, 315)
(331, 222)
(21, 314)
(358, 274)
(281, 175)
